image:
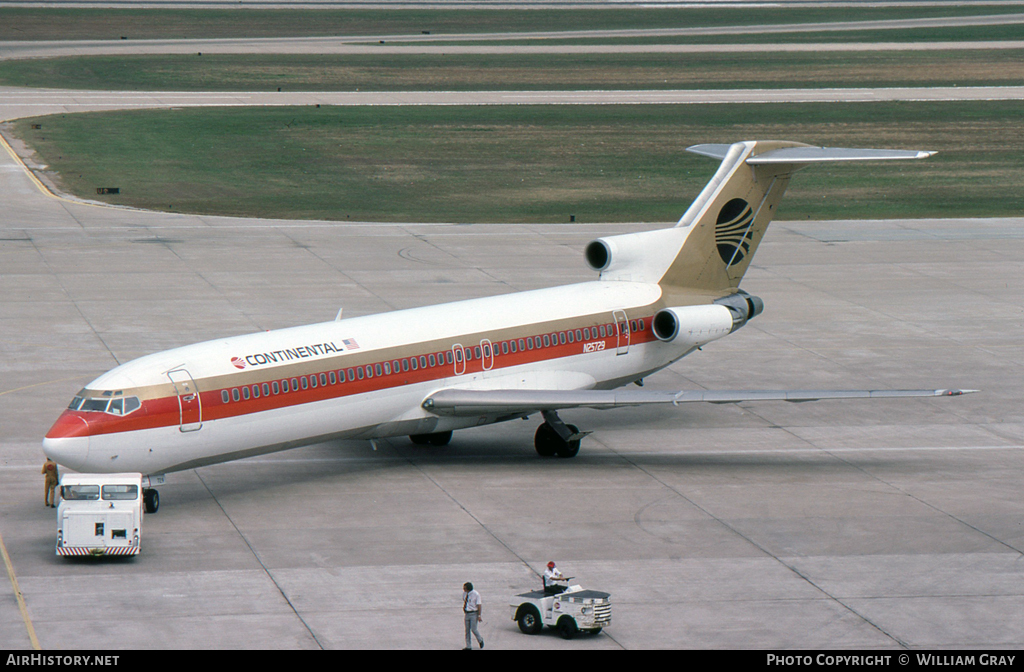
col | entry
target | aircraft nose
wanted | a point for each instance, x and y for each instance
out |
(67, 442)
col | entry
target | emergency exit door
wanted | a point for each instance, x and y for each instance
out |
(189, 404)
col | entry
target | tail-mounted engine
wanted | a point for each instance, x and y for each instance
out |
(697, 325)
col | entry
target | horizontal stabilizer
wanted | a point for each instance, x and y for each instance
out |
(459, 402)
(802, 155)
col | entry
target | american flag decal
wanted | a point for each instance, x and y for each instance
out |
(350, 343)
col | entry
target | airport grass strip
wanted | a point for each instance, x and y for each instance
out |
(525, 163)
(63, 23)
(517, 72)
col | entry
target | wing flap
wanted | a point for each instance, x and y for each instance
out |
(464, 402)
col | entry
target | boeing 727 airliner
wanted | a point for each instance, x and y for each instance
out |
(428, 371)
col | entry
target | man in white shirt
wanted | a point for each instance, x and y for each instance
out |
(473, 610)
(550, 575)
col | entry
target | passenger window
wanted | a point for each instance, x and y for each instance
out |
(561, 338)
(323, 379)
(224, 396)
(586, 333)
(405, 364)
(522, 346)
(448, 356)
(547, 341)
(433, 362)
(359, 373)
(476, 352)
(333, 378)
(512, 347)
(255, 391)
(303, 383)
(295, 385)
(284, 386)
(603, 334)
(275, 387)
(234, 394)
(266, 389)
(458, 355)
(376, 369)
(245, 393)
(570, 337)
(387, 368)
(504, 347)
(369, 370)
(423, 361)
(352, 374)
(396, 366)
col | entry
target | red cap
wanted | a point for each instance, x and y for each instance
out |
(551, 564)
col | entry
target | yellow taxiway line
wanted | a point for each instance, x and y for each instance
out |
(21, 598)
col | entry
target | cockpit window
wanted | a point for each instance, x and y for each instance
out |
(95, 404)
(80, 492)
(116, 406)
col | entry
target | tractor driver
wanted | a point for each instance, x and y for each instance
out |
(551, 575)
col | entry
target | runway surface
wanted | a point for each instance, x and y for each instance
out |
(856, 524)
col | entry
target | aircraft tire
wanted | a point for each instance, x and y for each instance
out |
(440, 438)
(151, 500)
(546, 441)
(569, 448)
(420, 439)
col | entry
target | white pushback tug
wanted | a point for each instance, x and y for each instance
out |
(570, 611)
(100, 514)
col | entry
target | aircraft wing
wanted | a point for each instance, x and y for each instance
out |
(465, 402)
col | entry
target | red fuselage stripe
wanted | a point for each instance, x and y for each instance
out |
(168, 412)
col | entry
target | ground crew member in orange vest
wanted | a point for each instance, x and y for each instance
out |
(50, 471)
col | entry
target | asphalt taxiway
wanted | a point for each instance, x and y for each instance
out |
(852, 524)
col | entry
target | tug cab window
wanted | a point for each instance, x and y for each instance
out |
(120, 492)
(80, 492)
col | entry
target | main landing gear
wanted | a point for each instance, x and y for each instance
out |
(435, 439)
(151, 499)
(555, 437)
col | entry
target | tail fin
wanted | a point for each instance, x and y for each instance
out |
(727, 221)
(712, 245)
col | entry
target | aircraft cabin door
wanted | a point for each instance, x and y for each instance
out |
(621, 332)
(189, 404)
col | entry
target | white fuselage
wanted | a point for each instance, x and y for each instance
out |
(198, 404)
